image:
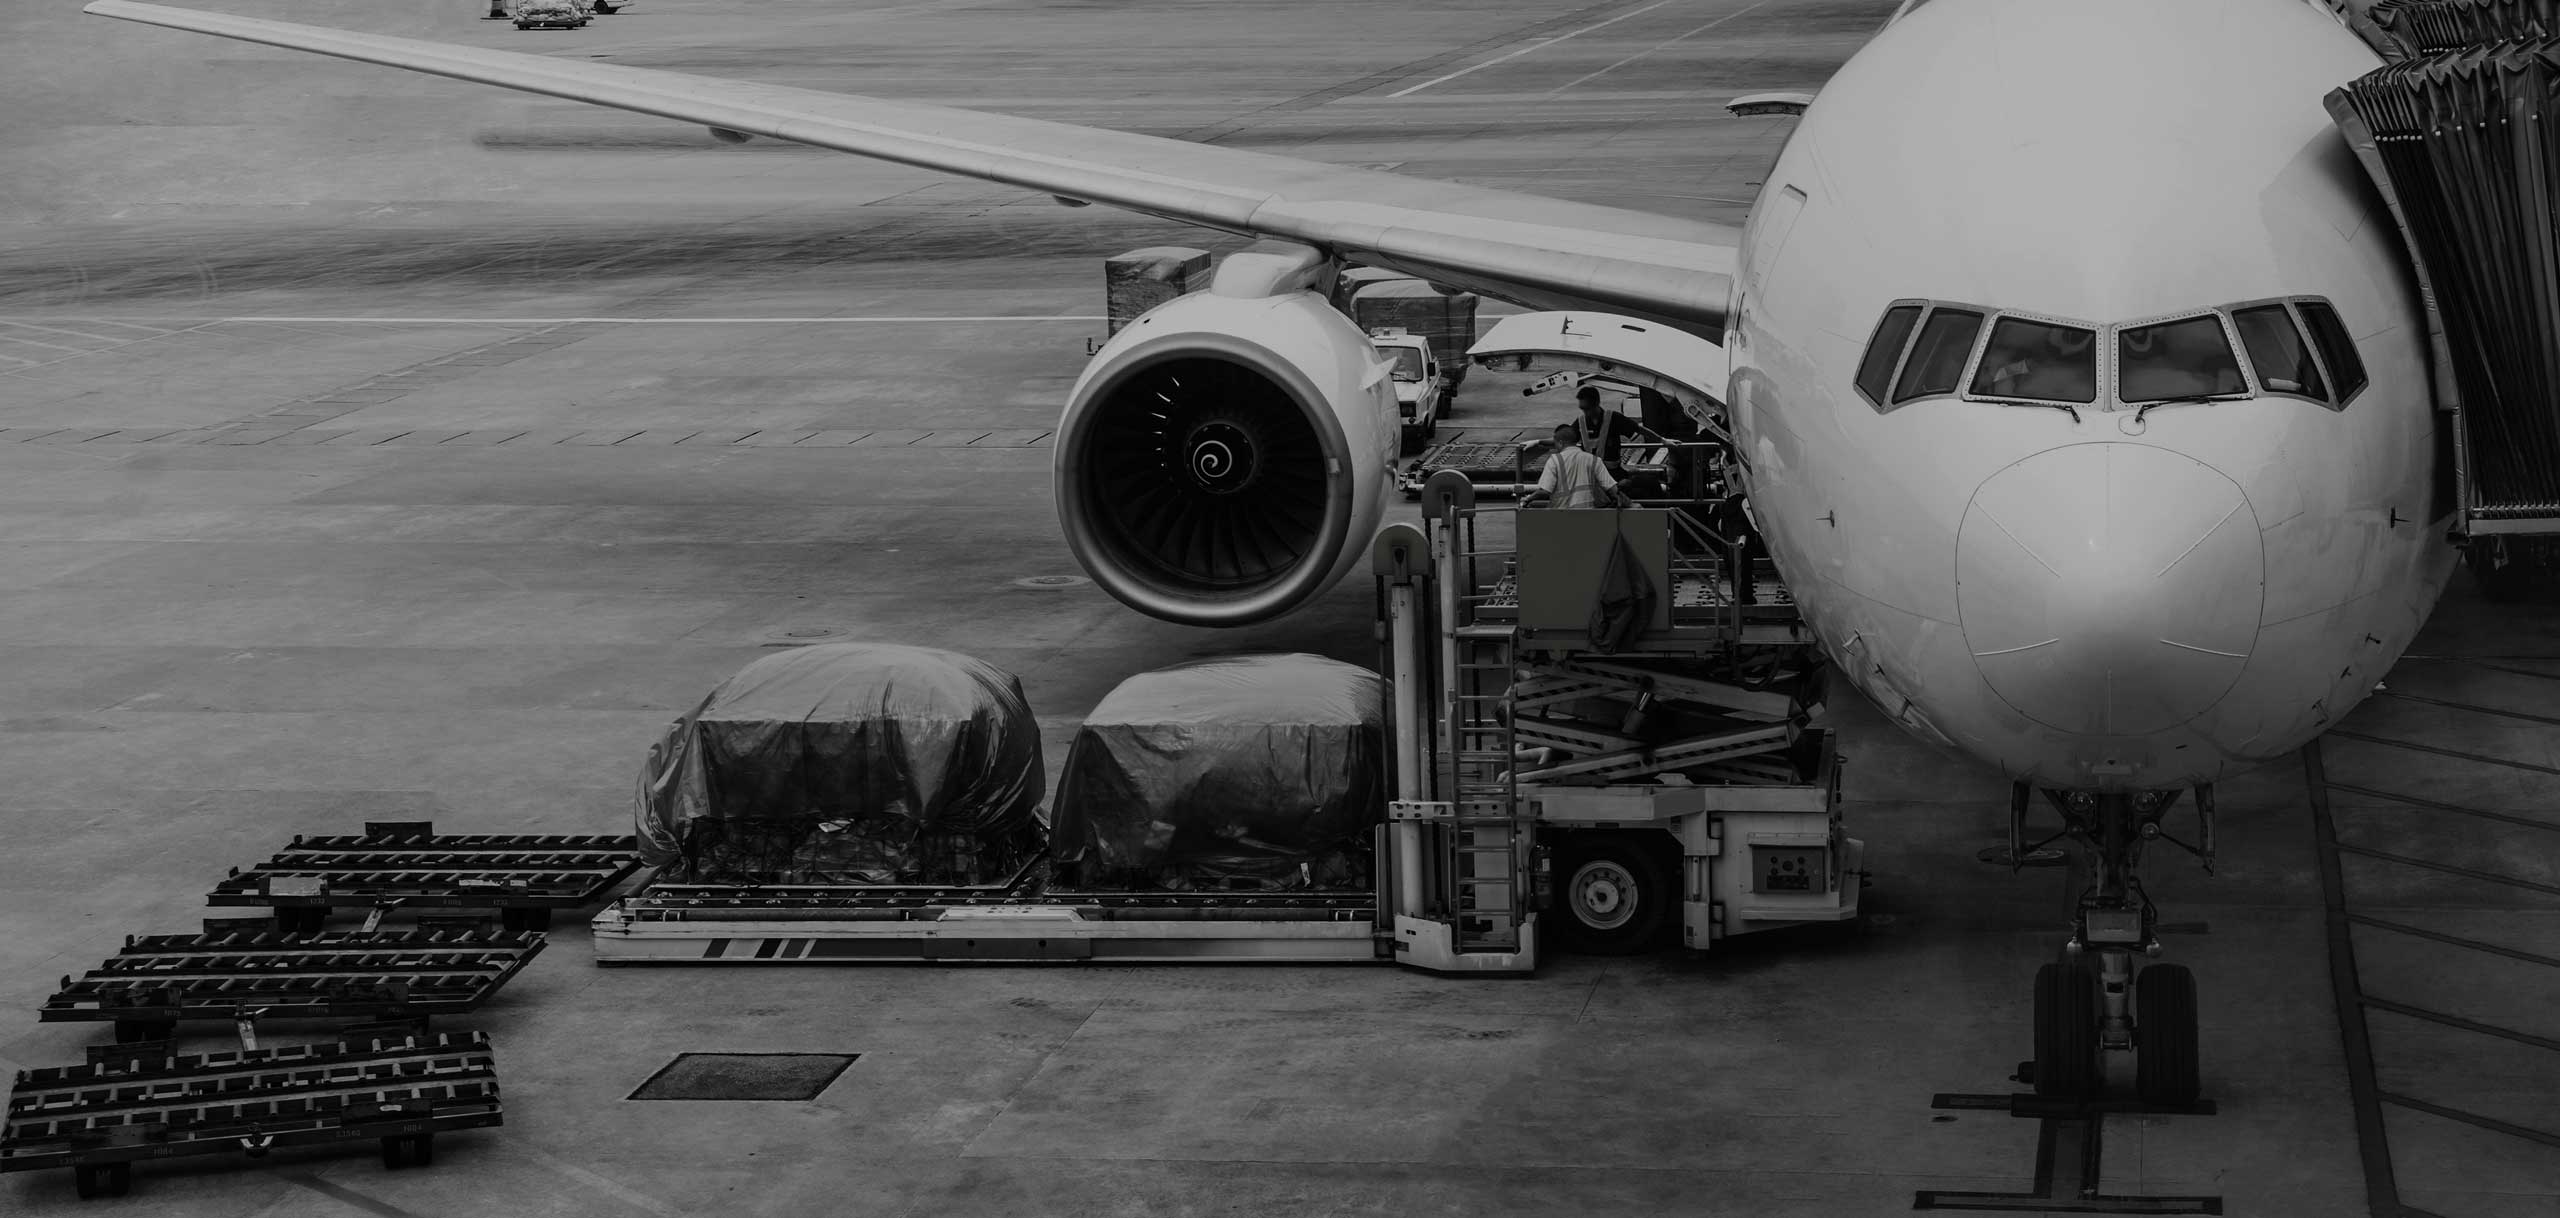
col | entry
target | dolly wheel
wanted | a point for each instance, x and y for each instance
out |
(1613, 891)
(2066, 1031)
(119, 1179)
(395, 1153)
(84, 1180)
(422, 1149)
(2166, 1070)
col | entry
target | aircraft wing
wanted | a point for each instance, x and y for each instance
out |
(1543, 253)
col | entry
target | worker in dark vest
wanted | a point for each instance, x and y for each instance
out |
(1733, 524)
(1599, 430)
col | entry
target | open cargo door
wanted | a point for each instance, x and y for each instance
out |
(1683, 367)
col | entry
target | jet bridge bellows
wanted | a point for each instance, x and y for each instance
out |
(2465, 145)
(2424, 27)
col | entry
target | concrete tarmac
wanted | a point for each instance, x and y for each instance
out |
(381, 447)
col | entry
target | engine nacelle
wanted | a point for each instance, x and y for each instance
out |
(1224, 459)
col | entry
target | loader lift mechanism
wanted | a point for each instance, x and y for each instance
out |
(1528, 773)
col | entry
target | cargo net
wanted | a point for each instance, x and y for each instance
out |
(2468, 144)
(849, 763)
(2415, 28)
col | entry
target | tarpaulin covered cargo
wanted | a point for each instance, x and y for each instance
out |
(1446, 319)
(848, 763)
(1253, 772)
(1140, 280)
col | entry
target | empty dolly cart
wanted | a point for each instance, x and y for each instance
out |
(100, 1118)
(408, 865)
(157, 981)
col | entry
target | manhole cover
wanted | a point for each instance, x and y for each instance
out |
(745, 1076)
(2040, 856)
(1052, 581)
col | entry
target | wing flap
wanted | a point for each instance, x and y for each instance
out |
(1544, 253)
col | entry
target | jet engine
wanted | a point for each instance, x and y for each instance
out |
(1225, 458)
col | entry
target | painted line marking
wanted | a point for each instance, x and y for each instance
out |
(1659, 45)
(1539, 43)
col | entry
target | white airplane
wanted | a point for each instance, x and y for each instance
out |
(2077, 374)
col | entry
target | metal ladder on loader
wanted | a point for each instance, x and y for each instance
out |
(1458, 879)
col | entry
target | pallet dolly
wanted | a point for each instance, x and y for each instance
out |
(138, 1102)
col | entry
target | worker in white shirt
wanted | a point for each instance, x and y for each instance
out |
(1574, 478)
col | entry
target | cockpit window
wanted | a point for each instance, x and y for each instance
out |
(2339, 351)
(1938, 356)
(2277, 351)
(2039, 360)
(2295, 346)
(1875, 372)
(2189, 357)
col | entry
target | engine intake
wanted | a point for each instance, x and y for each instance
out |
(1224, 460)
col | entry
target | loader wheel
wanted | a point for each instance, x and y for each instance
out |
(2066, 1031)
(1613, 892)
(2166, 1070)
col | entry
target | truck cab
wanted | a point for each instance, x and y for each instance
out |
(1422, 391)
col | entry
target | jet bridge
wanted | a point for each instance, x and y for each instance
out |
(1549, 786)
(2453, 133)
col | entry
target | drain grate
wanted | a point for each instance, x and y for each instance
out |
(745, 1076)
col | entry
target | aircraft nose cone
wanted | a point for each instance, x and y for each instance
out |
(2110, 589)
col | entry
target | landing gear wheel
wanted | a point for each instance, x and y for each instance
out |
(2164, 1026)
(2066, 1031)
(1613, 892)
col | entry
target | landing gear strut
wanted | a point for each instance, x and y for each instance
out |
(2091, 1001)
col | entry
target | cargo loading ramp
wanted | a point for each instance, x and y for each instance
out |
(99, 1119)
(408, 865)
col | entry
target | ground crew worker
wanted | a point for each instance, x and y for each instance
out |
(1733, 523)
(1574, 478)
(1599, 430)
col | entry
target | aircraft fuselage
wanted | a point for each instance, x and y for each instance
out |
(2094, 595)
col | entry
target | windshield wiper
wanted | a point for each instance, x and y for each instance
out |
(2186, 399)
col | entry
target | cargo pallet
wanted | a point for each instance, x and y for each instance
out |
(1529, 776)
(408, 865)
(157, 981)
(136, 1102)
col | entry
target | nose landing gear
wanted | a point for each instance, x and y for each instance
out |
(2092, 1001)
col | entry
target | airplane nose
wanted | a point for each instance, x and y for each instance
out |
(2110, 589)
